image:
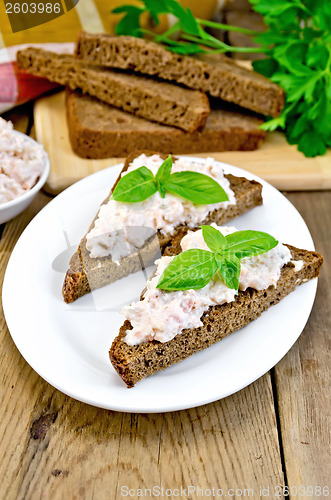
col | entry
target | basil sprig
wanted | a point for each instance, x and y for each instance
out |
(194, 268)
(140, 184)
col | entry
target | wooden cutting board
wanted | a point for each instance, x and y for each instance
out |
(276, 161)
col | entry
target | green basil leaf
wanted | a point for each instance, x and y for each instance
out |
(229, 267)
(162, 174)
(198, 188)
(161, 189)
(135, 186)
(164, 170)
(214, 238)
(249, 243)
(190, 269)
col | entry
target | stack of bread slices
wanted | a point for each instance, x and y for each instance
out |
(126, 93)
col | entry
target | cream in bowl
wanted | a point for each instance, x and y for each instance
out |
(24, 168)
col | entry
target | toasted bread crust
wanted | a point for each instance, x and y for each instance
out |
(85, 274)
(133, 363)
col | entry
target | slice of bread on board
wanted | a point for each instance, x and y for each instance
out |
(86, 274)
(218, 76)
(148, 98)
(98, 130)
(133, 363)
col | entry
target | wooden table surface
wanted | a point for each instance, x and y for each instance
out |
(270, 438)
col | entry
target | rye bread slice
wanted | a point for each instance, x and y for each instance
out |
(145, 97)
(86, 274)
(218, 75)
(98, 130)
(133, 363)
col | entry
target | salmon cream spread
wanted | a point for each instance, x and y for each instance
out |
(110, 234)
(162, 315)
(21, 162)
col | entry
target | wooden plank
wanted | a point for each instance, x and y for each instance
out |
(276, 161)
(303, 376)
(55, 447)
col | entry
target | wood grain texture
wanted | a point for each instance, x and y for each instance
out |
(303, 377)
(53, 447)
(276, 161)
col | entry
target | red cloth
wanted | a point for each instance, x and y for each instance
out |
(17, 87)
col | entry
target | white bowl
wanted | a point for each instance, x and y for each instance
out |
(14, 207)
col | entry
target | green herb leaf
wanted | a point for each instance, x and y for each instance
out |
(139, 184)
(155, 7)
(272, 125)
(194, 268)
(266, 67)
(214, 238)
(190, 24)
(185, 49)
(317, 56)
(130, 23)
(229, 267)
(161, 189)
(164, 170)
(249, 243)
(298, 40)
(190, 269)
(311, 144)
(162, 174)
(198, 188)
(135, 186)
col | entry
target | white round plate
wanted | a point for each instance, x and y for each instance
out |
(68, 345)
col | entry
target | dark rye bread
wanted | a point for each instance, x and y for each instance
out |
(218, 76)
(86, 274)
(133, 363)
(145, 97)
(97, 130)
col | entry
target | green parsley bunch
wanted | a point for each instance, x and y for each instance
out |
(297, 45)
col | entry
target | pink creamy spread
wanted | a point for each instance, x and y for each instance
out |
(109, 236)
(162, 315)
(21, 162)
